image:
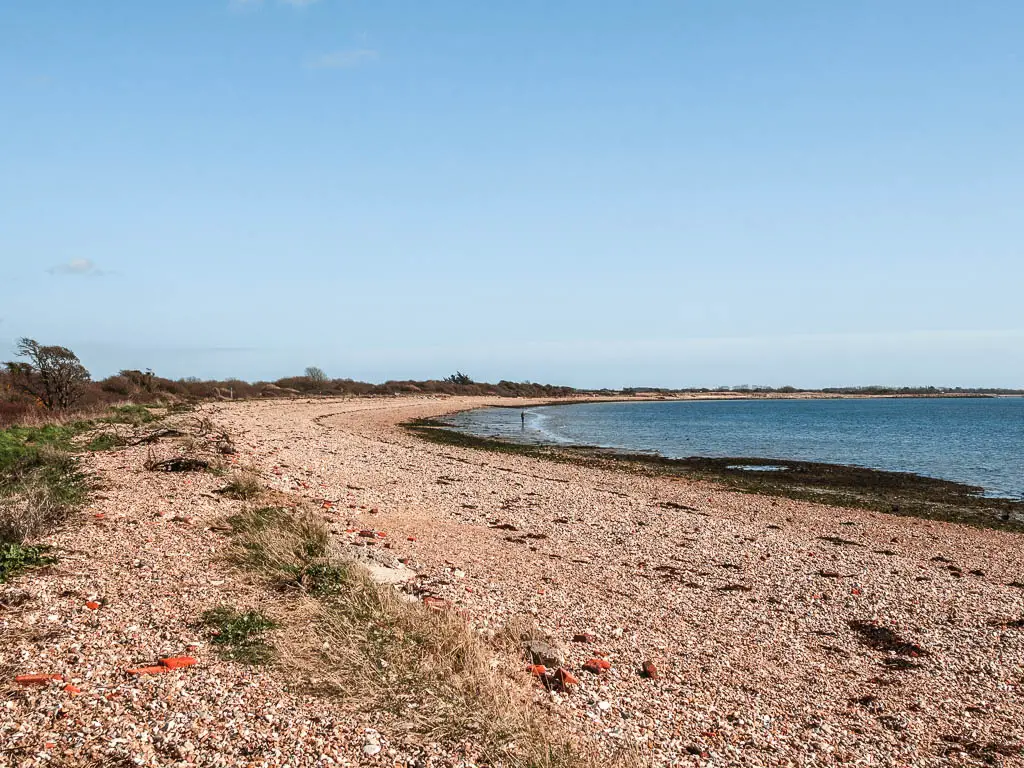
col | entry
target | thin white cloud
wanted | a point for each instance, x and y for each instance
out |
(77, 267)
(347, 59)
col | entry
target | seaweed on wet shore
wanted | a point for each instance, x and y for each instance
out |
(900, 665)
(735, 588)
(897, 493)
(882, 638)
(840, 542)
(989, 753)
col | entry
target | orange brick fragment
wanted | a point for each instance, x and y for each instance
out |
(177, 662)
(92, 605)
(597, 665)
(36, 679)
(148, 670)
(537, 670)
(74, 690)
(565, 678)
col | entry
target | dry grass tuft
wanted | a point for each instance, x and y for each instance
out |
(36, 491)
(243, 487)
(375, 649)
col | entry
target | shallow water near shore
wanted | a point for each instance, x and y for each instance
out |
(975, 441)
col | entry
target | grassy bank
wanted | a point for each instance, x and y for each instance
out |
(898, 493)
(373, 649)
(41, 478)
(40, 481)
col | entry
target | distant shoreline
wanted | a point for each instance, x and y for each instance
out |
(891, 492)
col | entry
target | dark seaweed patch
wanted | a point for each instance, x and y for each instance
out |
(900, 493)
(988, 753)
(840, 542)
(882, 638)
(677, 505)
(900, 665)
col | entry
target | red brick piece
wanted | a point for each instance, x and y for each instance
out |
(564, 678)
(583, 637)
(649, 670)
(537, 670)
(149, 670)
(597, 665)
(177, 662)
(92, 605)
(36, 679)
(74, 690)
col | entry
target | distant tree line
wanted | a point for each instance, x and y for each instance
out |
(52, 378)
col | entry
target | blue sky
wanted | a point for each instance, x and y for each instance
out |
(598, 194)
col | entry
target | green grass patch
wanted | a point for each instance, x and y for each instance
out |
(239, 636)
(105, 441)
(18, 442)
(40, 479)
(134, 415)
(321, 579)
(30, 455)
(15, 558)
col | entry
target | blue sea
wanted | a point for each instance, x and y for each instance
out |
(977, 441)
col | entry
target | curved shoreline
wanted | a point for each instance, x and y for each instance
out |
(841, 485)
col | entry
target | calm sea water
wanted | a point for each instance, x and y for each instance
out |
(975, 441)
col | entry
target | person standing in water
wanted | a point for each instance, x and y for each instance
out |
(522, 417)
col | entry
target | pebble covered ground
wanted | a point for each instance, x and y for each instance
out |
(705, 627)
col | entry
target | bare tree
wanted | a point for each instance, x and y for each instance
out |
(54, 375)
(316, 375)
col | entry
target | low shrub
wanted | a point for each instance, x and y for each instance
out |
(15, 558)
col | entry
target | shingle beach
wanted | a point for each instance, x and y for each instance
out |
(734, 629)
